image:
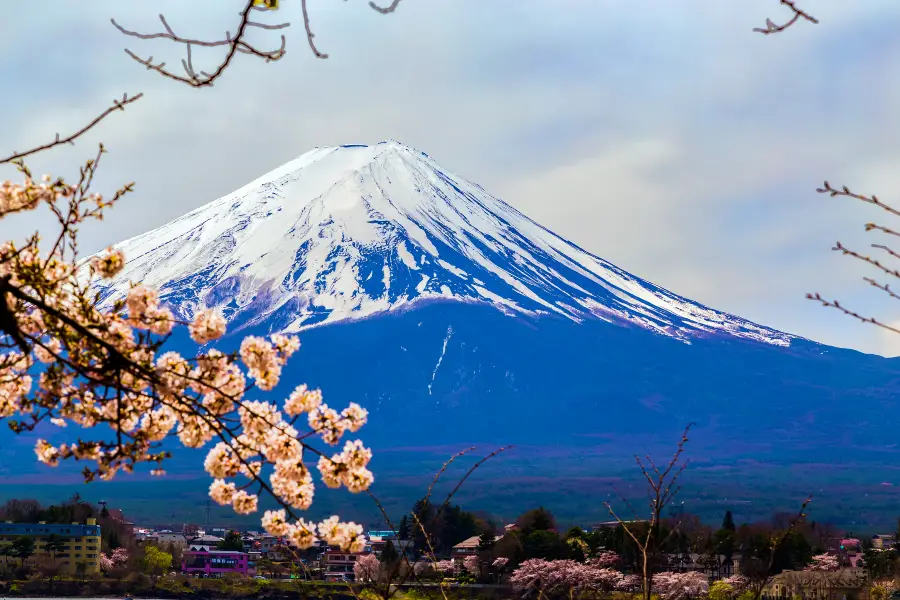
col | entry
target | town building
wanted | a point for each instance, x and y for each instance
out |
(216, 563)
(337, 564)
(615, 524)
(79, 545)
(883, 541)
(379, 539)
(468, 547)
(204, 543)
(844, 584)
(715, 567)
(164, 538)
(270, 547)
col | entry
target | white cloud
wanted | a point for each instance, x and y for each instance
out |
(673, 140)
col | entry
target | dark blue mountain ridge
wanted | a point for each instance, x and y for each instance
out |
(456, 320)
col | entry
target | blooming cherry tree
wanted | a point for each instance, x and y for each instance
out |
(367, 568)
(69, 358)
(472, 565)
(678, 586)
(823, 562)
(605, 559)
(117, 559)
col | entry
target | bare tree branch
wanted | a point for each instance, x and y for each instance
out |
(663, 487)
(235, 44)
(387, 9)
(845, 191)
(309, 34)
(837, 305)
(798, 14)
(116, 105)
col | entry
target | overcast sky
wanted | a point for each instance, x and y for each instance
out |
(666, 137)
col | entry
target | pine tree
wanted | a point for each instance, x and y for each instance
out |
(389, 556)
(728, 522)
(403, 529)
(486, 541)
(232, 541)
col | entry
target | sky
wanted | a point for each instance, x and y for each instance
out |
(666, 137)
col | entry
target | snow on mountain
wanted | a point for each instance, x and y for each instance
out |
(349, 232)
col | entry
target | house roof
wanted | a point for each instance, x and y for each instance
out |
(472, 542)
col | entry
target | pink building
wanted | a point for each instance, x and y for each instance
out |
(216, 562)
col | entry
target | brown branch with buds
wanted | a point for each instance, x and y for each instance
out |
(663, 487)
(386, 9)
(771, 27)
(845, 191)
(116, 105)
(235, 44)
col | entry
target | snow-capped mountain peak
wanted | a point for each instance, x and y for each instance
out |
(352, 231)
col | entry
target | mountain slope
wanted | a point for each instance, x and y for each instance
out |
(350, 232)
(456, 320)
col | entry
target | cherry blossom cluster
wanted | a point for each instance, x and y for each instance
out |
(68, 357)
(550, 576)
(367, 568)
(472, 565)
(681, 585)
(118, 558)
(605, 559)
(824, 562)
(29, 195)
(500, 562)
(446, 567)
(738, 583)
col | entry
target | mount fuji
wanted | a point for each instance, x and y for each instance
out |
(456, 319)
(353, 232)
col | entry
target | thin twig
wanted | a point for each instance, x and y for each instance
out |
(845, 191)
(116, 105)
(850, 313)
(386, 9)
(309, 33)
(235, 44)
(798, 14)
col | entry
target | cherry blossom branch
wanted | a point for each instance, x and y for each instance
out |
(387, 9)
(116, 105)
(392, 588)
(662, 489)
(850, 313)
(798, 14)
(235, 44)
(845, 191)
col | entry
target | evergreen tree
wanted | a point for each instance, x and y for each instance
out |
(728, 522)
(403, 529)
(54, 544)
(486, 541)
(423, 512)
(390, 560)
(232, 541)
(538, 519)
(22, 548)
